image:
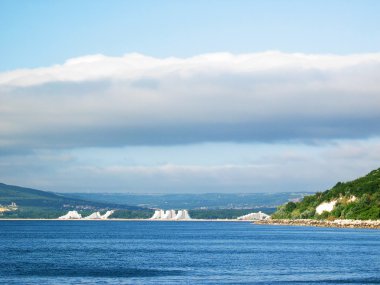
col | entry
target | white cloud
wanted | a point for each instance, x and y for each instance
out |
(276, 122)
(133, 66)
(195, 168)
(135, 99)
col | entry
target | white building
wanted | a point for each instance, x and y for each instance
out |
(94, 216)
(254, 217)
(71, 215)
(107, 214)
(182, 215)
(158, 214)
(170, 215)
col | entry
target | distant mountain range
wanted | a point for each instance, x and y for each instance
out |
(32, 203)
(42, 204)
(358, 199)
(195, 201)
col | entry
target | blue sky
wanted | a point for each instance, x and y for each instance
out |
(41, 33)
(188, 96)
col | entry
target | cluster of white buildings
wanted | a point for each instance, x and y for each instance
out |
(171, 215)
(74, 215)
(11, 207)
(254, 217)
(168, 215)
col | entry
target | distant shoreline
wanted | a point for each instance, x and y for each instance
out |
(362, 224)
(130, 220)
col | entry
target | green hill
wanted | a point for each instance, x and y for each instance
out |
(32, 203)
(357, 199)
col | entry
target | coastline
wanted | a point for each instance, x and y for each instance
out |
(363, 224)
(130, 220)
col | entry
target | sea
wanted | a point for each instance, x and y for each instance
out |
(148, 252)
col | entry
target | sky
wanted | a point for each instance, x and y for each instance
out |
(188, 96)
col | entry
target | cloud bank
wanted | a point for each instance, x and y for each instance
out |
(221, 97)
(228, 168)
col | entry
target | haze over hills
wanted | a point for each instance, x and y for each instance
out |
(42, 204)
(196, 201)
(357, 199)
(32, 203)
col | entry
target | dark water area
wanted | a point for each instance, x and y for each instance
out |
(117, 252)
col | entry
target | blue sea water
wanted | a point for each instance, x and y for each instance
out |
(117, 252)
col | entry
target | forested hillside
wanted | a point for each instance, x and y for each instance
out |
(357, 199)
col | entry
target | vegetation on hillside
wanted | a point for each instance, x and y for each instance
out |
(33, 213)
(37, 204)
(195, 214)
(225, 213)
(32, 203)
(132, 214)
(366, 205)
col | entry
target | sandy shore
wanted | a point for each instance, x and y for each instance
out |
(368, 224)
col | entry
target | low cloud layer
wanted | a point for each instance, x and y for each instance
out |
(194, 168)
(98, 101)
